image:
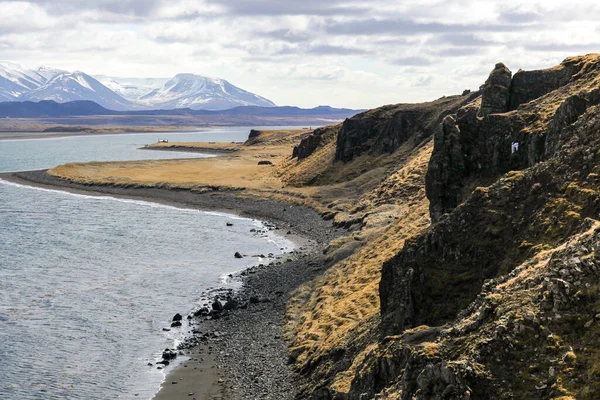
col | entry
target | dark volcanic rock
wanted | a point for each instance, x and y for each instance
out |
(177, 317)
(496, 91)
(476, 150)
(515, 196)
(168, 354)
(231, 303)
(253, 134)
(383, 130)
(217, 306)
(238, 255)
(448, 162)
(202, 312)
(265, 162)
(310, 143)
(530, 85)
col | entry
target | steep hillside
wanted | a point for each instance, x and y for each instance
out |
(509, 275)
(499, 297)
(370, 173)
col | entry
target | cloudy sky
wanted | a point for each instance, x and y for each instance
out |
(349, 53)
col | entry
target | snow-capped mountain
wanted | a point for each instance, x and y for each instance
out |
(48, 73)
(72, 86)
(200, 92)
(131, 88)
(16, 80)
(18, 83)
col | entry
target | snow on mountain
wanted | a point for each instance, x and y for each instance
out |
(49, 73)
(16, 80)
(200, 92)
(18, 83)
(131, 88)
(67, 86)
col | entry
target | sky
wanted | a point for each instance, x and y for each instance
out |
(343, 53)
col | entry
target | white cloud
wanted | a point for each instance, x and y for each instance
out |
(349, 53)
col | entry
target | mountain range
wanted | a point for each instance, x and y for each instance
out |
(197, 92)
(81, 108)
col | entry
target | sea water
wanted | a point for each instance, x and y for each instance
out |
(87, 284)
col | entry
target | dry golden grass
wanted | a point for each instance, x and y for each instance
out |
(236, 170)
(328, 312)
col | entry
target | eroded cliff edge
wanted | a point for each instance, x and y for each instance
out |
(498, 297)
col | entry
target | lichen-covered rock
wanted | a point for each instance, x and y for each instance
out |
(510, 271)
(496, 91)
(447, 163)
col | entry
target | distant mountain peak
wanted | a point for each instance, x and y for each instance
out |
(202, 92)
(72, 86)
(184, 90)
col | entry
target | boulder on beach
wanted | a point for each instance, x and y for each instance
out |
(168, 354)
(238, 255)
(231, 303)
(201, 312)
(217, 306)
(177, 317)
(265, 162)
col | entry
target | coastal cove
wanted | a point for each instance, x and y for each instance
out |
(306, 228)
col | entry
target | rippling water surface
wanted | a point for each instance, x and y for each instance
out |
(88, 283)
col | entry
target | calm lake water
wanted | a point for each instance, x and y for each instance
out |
(87, 283)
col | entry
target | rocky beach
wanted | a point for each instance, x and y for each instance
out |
(234, 345)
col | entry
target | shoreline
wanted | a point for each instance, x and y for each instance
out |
(19, 135)
(241, 354)
(189, 149)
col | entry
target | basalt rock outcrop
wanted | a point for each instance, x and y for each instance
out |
(496, 91)
(385, 129)
(484, 141)
(497, 298)
(508, 273)
(310, 143)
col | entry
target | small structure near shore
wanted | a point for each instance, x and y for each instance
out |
(163, 140)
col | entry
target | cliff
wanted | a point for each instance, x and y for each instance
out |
(491, 272)
(384, 130)
(497, 295)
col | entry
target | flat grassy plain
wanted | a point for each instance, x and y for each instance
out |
(238, 169)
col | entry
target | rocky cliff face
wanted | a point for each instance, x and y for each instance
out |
(496, 91)
(309, 144)
(499, 297)
(508, 273)
(383, 130)
(484, 141)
